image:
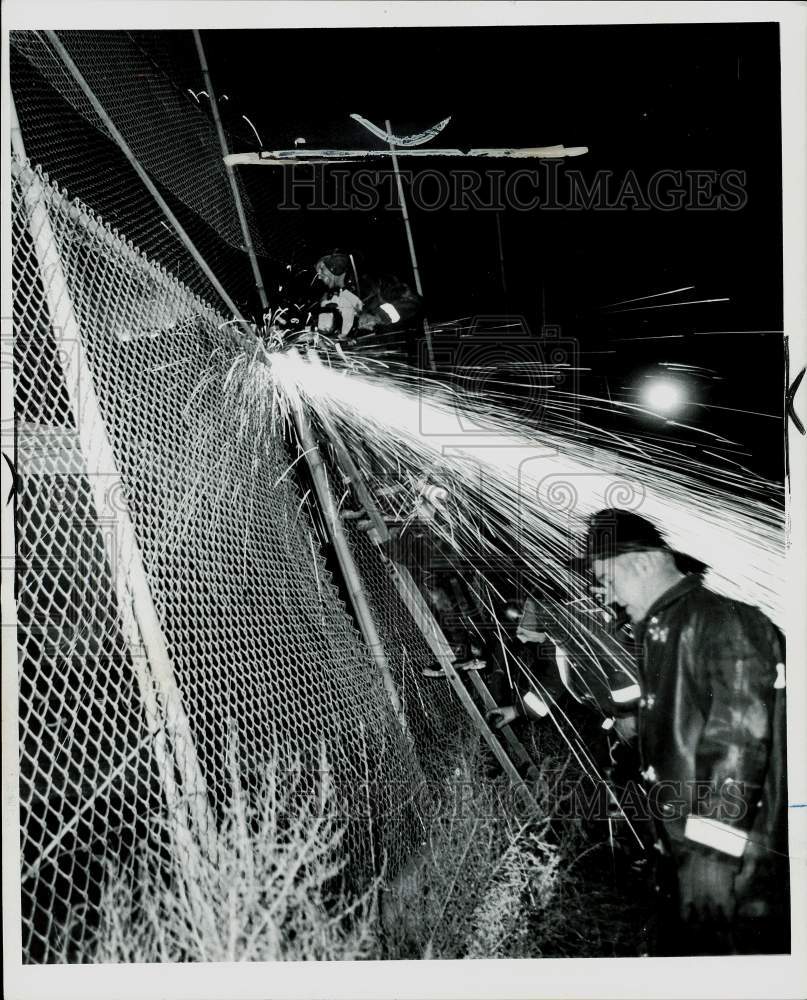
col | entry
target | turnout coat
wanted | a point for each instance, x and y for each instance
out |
(711, 719)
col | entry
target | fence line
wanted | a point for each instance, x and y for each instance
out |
(172, 594)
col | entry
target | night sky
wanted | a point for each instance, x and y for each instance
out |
(643, 99)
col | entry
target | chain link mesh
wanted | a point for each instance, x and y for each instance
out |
(436, 718)
(169, 134)
(111, 351)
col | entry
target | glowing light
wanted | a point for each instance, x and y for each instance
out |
(664, 396)
(534, 490)
(513, 494)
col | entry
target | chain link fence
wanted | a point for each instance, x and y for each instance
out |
(173, 598)
(168, 132)
(436, 719)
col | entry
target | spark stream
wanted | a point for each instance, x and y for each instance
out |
(532, 489)
(551, 186)
(535, 489)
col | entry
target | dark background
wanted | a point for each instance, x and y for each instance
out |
(642, 98)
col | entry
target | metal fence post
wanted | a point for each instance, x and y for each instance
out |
(350, 573)
(141, 625)
(239, 206)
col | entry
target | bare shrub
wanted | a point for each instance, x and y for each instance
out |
(489, 882)
(272, 892)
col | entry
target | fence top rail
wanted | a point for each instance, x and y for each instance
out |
(109, 237)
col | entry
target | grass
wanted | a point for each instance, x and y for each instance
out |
(487, 884)
(491, 884)
(472, 874)
(268, 895)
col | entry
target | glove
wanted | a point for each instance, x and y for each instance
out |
(706, 886)
(502, 716)
(529, 635)
(367, 321)
(531, 623)
(430, 501)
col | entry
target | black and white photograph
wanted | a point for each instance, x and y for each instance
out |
(403, 500)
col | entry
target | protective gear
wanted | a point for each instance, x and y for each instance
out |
(381, 303)
(434, 671)
(535, 705)
(532, 626)
(474, 663)
(430, 501)
(388, 303)
(528, 635)
(712, 741)
(338, 313)
(625, 728)
(613, 532)
(564, 664)
(502, 716)
(337, 262)
(711, 720)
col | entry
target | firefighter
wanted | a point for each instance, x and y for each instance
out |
(531, 682)
(712, 740)
(339, 305)
(602, 680)
(437, 571)
(350, 304)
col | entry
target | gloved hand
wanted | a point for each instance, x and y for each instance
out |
(502, 716)
(367, 321)
(530, 635)
(430, 501)
(531, 623)
(706, 886)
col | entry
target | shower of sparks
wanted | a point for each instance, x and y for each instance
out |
(518, 495)
(656, 295)
(260, 141)
(533, 489)
(655, 336)
(732, 333)
(673, 305)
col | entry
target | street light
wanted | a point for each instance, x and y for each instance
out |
(663, 396)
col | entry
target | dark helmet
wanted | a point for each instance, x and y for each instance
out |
(337, 262)
(612, 532)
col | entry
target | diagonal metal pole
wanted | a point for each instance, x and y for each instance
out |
(239, 205)
(410, 240)
(351, 470)
(141, 625)
(350, 573)
(101, 111)
(432, 633)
